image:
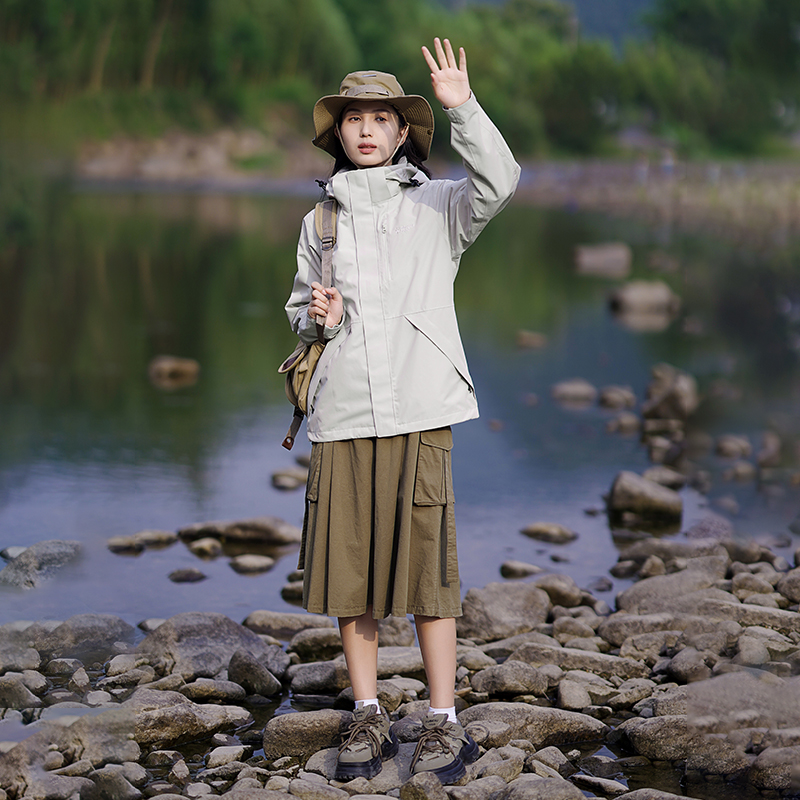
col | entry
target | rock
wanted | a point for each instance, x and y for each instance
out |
(265, 530)
(396, 632)
(617, 397)
(284, 625)
(189, 575)
(199, 645)
(247, 671)
(172, 372)
(533, 787)
(631, 493)
(156, 539)
(489, 733)
(550, 532)
(609, 260)
(390, 696)
(317, 790)
(671, 394)
(665, 738)
(85, 636)
(500, 610)
(423, 786)
(125, 545)
(568, 658)
(650, 595)
(111, 782)
(531, 340)
(733, 446)
(16, 657)
(541, 726)
(480, 789)
(511, 677)
(104, 738)
(290, 478)
(205, 690)
(645, 305)
(251, 564)
(166, 718)
(316, 644)
(561, 589)
(776, 768)
(789, 585)
(518, 569)
(220, 756)
(38, 562)
(650, 794)
(665, 477)
(600, 786)
(575, 392)
(304, 734)
(14, 694)
(207, 547)
(625, 422)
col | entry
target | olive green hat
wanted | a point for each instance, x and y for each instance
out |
(372, 85)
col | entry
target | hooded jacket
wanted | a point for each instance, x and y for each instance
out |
(395, 363)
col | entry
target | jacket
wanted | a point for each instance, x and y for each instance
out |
(395, 363)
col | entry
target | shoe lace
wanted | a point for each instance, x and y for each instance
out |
(364, 729)
(433, 740)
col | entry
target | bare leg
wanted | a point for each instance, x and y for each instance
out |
(360, 643)
(437, 640)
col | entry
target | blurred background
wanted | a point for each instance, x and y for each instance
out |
(155, 163)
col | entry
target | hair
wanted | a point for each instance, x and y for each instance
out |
(407, 149)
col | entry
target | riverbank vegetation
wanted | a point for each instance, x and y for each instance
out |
(711, 76)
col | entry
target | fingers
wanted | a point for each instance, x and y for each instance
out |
(432, 65)
(445, 57)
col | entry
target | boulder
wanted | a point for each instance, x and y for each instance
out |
(84, 636)
(500, 610)
(511, 677)
(247, 671)
(665, 738)
(651, 595)
(304, 734)
(284, 625)
(632, 494)
(569, 658)
(38, 562)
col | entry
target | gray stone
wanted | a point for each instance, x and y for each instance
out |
(390, 696)
(489, 733)
(479, 789)
(532, 787)
(500, 610)
(620, 627)
(188, 575)
(85, 636)
(666, 700)
(207, 690)
(314, 790)
(518, 569)
(38, 562)
(776, 768)
(111, 782)
(634, 494)
(165, 718)
(561, 589)
(156, 539)
(473, 658)
(541, 726)
(207, 547)
(652, 595)
(423, 786)
(572, 658)
(671, 394)
(284, 625)
(550, 532)
(265, 530)
(251, 563)
(508, 769)
(600, 786)
(16, 657)
(197, 644)
(303, 734)
(125, 545)
(666, 738)
(14, 694)
(320, 677)
(252, 675)
(396, 632)
(511, 677)
(316, 644)
(650, 794)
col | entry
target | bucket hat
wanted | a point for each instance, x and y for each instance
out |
(373, 85)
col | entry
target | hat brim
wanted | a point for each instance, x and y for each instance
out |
(414, 108)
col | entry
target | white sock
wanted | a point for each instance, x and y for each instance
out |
(451, 712)
(372, 702)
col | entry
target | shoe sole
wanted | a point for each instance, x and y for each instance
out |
(368, 769)
(455, 771)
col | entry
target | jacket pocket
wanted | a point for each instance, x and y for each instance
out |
(434, 483)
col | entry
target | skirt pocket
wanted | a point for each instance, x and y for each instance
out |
(434, 484)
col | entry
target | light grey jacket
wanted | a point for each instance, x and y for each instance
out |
(395, 363)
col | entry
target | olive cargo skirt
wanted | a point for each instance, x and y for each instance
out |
(379, 528)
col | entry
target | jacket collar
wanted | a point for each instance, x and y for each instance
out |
(381, 183)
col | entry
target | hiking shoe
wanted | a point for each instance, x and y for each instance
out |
(369, 741)
(443, 749)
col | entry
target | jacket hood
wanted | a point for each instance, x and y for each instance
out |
(402, 173)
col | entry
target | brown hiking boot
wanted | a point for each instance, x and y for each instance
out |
(368, 743)
(443, 749)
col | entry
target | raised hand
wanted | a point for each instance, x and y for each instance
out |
(450, 80)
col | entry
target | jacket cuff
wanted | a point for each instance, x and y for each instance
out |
(464, 111)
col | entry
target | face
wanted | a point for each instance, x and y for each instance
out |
(370, 133)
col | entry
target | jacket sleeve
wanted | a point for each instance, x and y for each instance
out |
(309, 269)
(492, 173)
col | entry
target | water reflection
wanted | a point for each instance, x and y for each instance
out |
(92, 449)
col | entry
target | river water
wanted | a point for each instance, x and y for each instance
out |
(91, 449)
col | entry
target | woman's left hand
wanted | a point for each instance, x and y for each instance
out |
(450, 80)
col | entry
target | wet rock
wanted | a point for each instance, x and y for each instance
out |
(511, 677)
(205, 690)
(199, 645)
(284, 625)
(500, 610)
(671, 394)
(156, 539)
(251, 564)
(541, 726)
(265, 530)
(304, 734)
(518, 569)
(167, 718)
(631, 493)
(290, 478)
(575, 392)
(172, 372)
(645, 305)
(125, 545)
(617, 397)
(207, 547)
(189, 575)
(550, 532)
(38, 562)
(247, 671)
(608, 260)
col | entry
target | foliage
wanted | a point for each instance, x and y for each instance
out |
(723, 70)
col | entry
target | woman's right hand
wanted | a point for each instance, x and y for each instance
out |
(326, 303)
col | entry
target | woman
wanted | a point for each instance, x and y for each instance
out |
(379, 530)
